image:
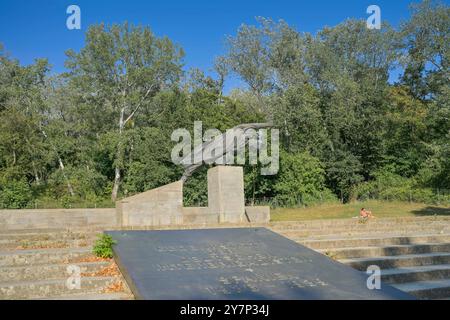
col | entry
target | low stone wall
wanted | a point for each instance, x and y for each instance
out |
(199, 215)
(57, 218)
(258, 214)
(162, 206)
(18, 219)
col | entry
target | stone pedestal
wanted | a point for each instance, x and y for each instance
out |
(226, 193)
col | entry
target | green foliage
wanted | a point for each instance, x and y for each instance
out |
(103, 246)
(15, 194)
(102, 130)
(195, 190)
(391, 186)
(301, 181)
(344, 172)
(300, 120)
(258, 189)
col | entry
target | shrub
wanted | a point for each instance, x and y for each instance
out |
(195, 190)
(103, 246)
(301, 181)
(15, 194)
(391, 186)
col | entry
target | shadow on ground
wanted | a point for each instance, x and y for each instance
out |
(431, 211)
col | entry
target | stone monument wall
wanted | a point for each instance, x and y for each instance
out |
(162, 206)
(17, 219)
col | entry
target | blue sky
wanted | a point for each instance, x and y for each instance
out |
(34, 29)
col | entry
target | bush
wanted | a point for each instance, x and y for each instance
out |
(391, 186)
(195, 190)
(15, 194)
(103, 246)
(301, 181)
(85, 183)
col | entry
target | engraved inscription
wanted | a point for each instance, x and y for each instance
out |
(261, 282)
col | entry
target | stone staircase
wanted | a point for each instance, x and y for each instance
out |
(34, 265)
(412, 253)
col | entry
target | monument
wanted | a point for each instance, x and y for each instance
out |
(234, 263)
(231, 263)
(163, 206)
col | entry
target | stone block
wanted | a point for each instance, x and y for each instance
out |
(156, 207)
(226, 193)
(258, 214)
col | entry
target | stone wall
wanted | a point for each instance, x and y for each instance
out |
(257, 214)
(162, 206)
(57, 218)
(199, 215)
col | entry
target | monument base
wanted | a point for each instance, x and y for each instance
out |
(163, 206)
(230, 264)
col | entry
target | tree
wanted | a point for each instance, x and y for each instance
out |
(118, 71)
(427, 43)
(343, 173)
(301, 180)
(300, 120)
(404, 137)
(22, 106)
(248, 56)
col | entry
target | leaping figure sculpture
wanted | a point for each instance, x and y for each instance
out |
(220, 143)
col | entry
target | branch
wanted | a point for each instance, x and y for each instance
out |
(138, 106)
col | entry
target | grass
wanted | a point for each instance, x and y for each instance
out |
(380, 209)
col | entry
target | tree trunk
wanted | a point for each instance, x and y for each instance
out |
(61, 164)
(115, 189)
(117, 175)
(69, 185)
(36, 175)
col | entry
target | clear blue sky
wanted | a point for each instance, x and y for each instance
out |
(33, 29)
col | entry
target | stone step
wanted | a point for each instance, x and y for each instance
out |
(306, 235)
(286, 225)
(53, 288)
(416, 273)
(434, 289)
(404, 249)
(368, 235)
(45, 244)
(360, 231)
(51, 271)
(340, 242)
(94, 296)
(42, 256)
(45, 236)
(365, 228)
(388, 262)
(34, 230)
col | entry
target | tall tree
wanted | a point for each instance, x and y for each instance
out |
(119, 70)
(427, 42)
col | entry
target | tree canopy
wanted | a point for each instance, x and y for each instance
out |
(101, 130)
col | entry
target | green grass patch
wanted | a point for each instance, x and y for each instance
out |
(380, 209)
